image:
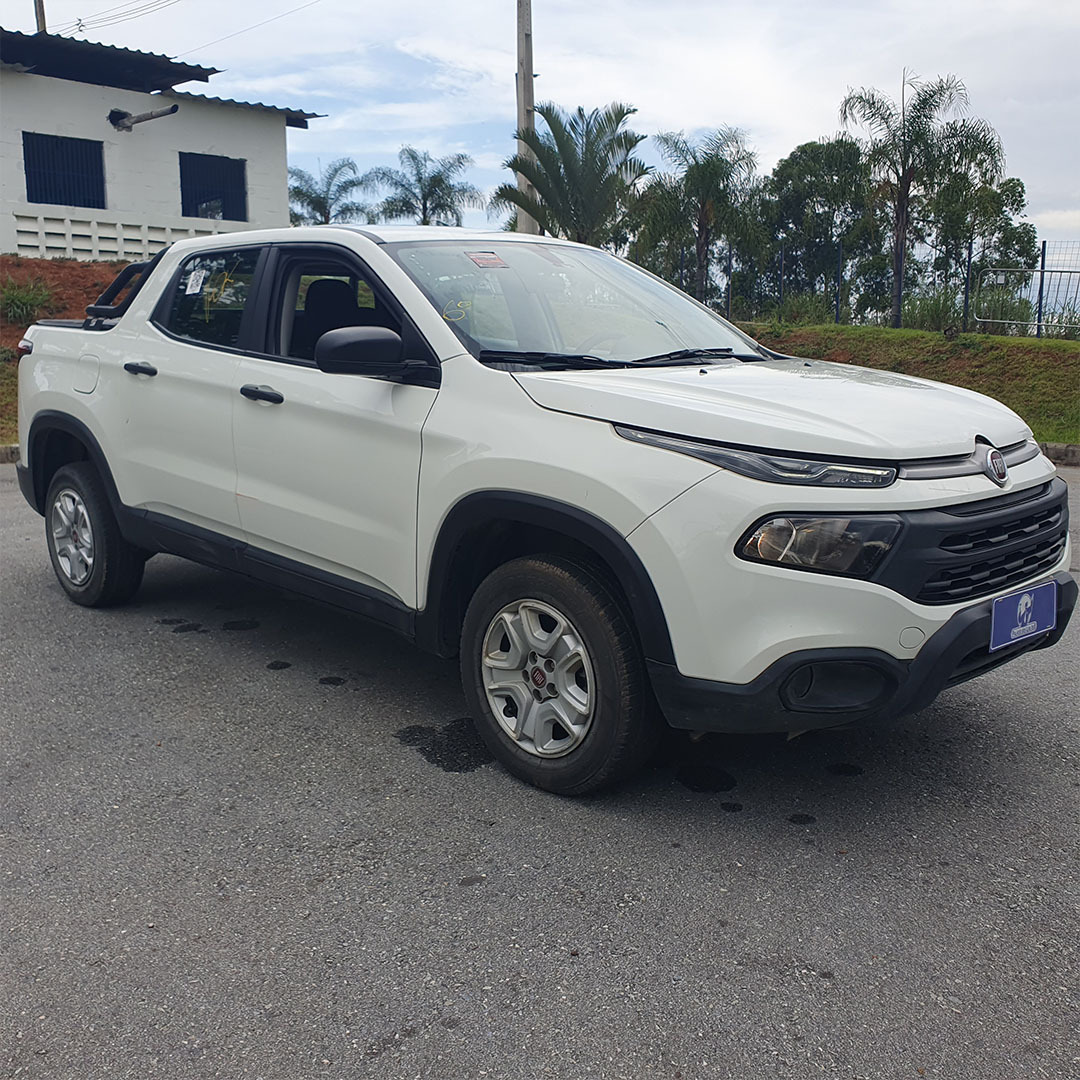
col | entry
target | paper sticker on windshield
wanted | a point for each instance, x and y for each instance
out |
(195, 282)
(485, 259)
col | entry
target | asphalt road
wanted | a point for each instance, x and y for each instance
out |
(243, 835)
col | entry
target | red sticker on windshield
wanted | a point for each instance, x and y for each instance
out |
(485, 258)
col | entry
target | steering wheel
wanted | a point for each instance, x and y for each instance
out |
(611, 336)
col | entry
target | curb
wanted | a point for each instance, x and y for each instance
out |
(1061, 453)
(1058, 453)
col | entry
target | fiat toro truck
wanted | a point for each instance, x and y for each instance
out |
(612, 505)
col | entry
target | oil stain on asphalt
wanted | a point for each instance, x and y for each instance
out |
(455, 748)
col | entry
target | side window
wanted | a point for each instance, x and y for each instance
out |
(62, 170)
(211, 294)
(318, 293)
(212, 186)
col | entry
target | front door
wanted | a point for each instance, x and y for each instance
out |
(328, 465)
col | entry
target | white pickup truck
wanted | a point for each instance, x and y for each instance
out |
(611, 503)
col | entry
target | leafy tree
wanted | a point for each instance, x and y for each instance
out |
(662, 237)
(583, 172)
(425, 189)
(702, 198)
(912, 147)
(821, 189)
(327, 198)
(964, 212)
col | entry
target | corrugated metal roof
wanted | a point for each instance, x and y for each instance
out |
(293, 117)
(92, 62)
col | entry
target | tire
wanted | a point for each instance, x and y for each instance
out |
(94, 564)
(554, 677)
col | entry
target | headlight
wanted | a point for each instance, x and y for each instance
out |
(775, 468)
(853, 547)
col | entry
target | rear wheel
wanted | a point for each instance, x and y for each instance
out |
(554, 677)
(94, 564)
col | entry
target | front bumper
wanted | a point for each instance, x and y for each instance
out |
(823, 688)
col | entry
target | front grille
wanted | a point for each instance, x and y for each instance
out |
(972, 580)
(1043, 522)
(953, 555)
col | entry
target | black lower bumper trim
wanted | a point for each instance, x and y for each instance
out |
(26, 485)
(823, 688)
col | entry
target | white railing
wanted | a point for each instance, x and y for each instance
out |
(102, 236)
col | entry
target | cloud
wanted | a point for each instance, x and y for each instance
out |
(441, 76)
(1063, 223)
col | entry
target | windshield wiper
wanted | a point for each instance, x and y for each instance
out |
(687, 356)
(550, 360)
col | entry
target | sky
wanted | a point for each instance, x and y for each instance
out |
(440, 75)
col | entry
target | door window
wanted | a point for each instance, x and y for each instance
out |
(211, 294)
(320, 293)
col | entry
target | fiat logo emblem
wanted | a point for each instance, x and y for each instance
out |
(538, 677)
(994, 466)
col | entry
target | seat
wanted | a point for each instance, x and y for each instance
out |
(330, 305)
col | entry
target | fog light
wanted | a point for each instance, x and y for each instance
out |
(836, 686)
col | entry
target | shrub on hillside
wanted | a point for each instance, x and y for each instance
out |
(934, 309)
(21, 302)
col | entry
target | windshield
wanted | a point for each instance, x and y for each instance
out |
(514, 297)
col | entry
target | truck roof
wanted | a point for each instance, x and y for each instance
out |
(387, 234)
(379, 234)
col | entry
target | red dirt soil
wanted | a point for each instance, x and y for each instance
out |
(73, 284)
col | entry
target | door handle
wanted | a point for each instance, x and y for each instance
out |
(262, 393)
(140, 367)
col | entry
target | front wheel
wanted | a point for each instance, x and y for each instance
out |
(553, 675)
(94, 564)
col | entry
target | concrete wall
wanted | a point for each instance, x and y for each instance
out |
(142, 168)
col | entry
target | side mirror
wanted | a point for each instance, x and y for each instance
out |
(360, 350)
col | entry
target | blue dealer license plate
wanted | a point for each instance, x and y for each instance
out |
(1023, 615)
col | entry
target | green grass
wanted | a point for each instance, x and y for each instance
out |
(1037, 378)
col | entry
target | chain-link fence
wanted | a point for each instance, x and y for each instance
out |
(1044, 301)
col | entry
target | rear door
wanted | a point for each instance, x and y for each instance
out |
(328, 465)
(168, 391)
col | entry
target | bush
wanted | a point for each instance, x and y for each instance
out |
(23, 302)
(804, 309)
(1063, 324)
(934, 309)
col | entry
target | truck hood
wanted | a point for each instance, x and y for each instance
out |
(803, 406)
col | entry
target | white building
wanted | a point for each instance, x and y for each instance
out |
(78, 178)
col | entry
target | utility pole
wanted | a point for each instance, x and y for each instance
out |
(525, 114)
(39, 11)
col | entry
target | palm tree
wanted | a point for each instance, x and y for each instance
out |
(327, 198)
(582, 170)
(912, 148)
(705, 193)
(425, 189)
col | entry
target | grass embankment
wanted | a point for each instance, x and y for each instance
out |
(1037, 378)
